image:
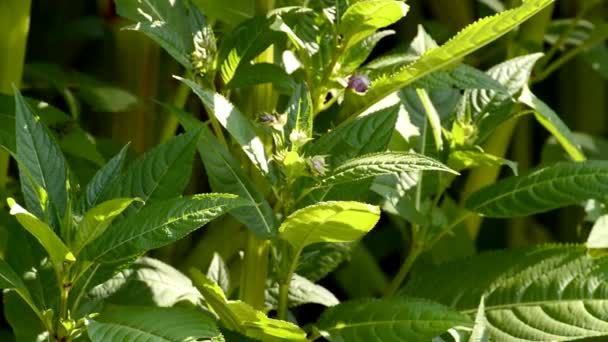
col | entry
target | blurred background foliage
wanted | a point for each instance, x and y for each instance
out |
(79, 60)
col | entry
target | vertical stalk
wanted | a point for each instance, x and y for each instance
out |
(14, 28)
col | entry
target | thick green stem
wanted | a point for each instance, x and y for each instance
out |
(255, 270)
(405, 268)
(283, 301)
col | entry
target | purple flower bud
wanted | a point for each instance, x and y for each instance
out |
(359, 83)
(317, 165)
(268, 119)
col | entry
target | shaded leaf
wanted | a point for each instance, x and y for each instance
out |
(301, 291)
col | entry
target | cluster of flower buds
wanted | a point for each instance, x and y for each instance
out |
(359, 83)
(204, 51)
(317, 166)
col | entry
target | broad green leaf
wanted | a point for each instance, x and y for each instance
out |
(355, 55)
(25, 325)
(242, 318)
(328, 222)
(466, 159)
(172, 24)
(237, 12)
(364, 17)
(548, 293)
(301, 291)
(57, 250)
(225, 175)
(432, 116)
(471, 38)
(318, 260)
(148, 323)
(261, 73)
(244, 43)
(299, 114)
(101, 183)
(378, 164)
(40, 158)
(598, 238)
(559, 185)
(96, 220)
(235, 122)
(146, 282)
(552, 122)
(163, 172)
(395, 319)
(218, 273)
(158, 224)
(462, 77)
(366, 134)
(592, 146)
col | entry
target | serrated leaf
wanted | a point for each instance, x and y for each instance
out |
(218, 273)
(234, 121)
(101, 183)
(57, 250)
(471, 38)
(466, 159)
(299, 112)
(244, 43)
(96, 220)
(261, 73)
(548, 293)
(148, 323)
(158, 224)
(403, 319)
(559, 185)
(378, 164)
(163, 172)
(355, 55)
(146, 282)
(301, 291)
(318, 260)
(217, 160)
(328, 222)
(364, 17)
(242, 318)
(40, 158)
(462, 77)
(552, 122)
(480, 332)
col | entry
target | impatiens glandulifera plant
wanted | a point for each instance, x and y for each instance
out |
(307, 139)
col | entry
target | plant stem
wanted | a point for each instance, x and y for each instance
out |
(255, 270)
(283, 301)
(179, 101)
(404, 269)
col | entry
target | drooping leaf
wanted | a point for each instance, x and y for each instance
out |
(559, 185)
(301, 291)
(378, 164)
(96, 220)
(40, 158)
(163, 172)
(10, 280)
(148, 323)
(299, 112)
(328, 222)
(465, 42)
(235, 122)
(146, 282)
(218, 273)
(403, 319)
(244, 43)
(548, 293)
(158, 224)
(217, 160)
(242, 318)
(364, 17)
(465, 159)
(552, 122)
(101, 183)
(57, 250)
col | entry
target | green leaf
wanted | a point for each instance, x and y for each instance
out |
(172, 24)
(366, 134)
(8, 278)
(395, 319)
(462, 77)
(552, 122)
(473, 37)
(148, 323)
(101, 183)
(598, 238)
(218, 273)
(96, 220)
(158, 224)
(432, 116)
(163, 172)
(299, 113)
(242, 318)
(244, 43)
(562, 184)
(548, 293)
(364, 17)
(57, 250)
(328, 222)
(40, 158)
(480, 331)
(146, 282)
(237, 12)
(319, 260)
(378, 164)
(261, 73)
(355, 55)
(235, 122)
(225, 175)
(466, 159)
(301, 291)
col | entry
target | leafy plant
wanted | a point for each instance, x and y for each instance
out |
(308, 139)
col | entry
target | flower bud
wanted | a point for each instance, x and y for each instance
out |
(359, 83)
(317, 165)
